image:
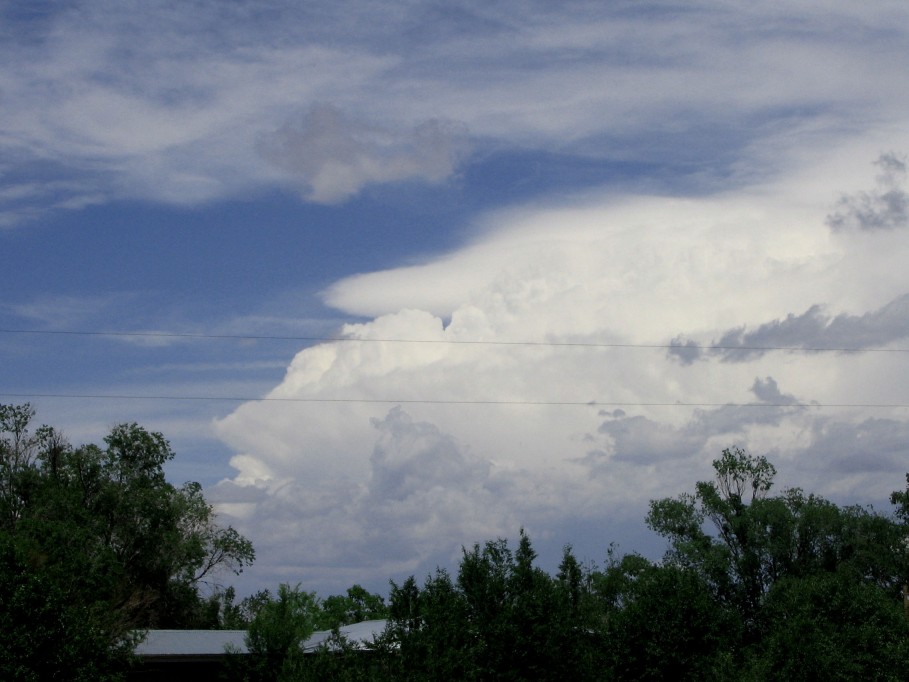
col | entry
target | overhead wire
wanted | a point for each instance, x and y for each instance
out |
(430, 401)
(346, 339)
(477, 342)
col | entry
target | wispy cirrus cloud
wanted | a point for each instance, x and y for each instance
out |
(177, 103)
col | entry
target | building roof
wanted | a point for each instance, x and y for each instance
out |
(358, 634)
(191, 643)
(203, 644)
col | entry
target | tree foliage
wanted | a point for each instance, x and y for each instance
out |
(790, 564)
(356, 606)
(501, 618)
(754, 586)
(102, 537)
(95, 542)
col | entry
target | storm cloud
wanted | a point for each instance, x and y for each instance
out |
(812, 331)
(886, 207)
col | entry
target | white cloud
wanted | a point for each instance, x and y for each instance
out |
(167, 102)
(445, 468)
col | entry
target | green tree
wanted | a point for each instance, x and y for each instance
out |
(355, 606)
(815, 586)
(428, 630)
(829, 626)
(662, 623)
(756, 540)
(49, 635)
(502, 619)
(277, 632)
(105, 531)
(737, 560)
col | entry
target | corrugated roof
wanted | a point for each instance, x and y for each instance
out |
(366, 631)
(203, 643)
(191, 642)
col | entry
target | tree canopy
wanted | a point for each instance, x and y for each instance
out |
(753, 586)
(98, 535)
(95, 543)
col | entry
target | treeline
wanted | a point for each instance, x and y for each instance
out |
(96, 544)
(752, 587)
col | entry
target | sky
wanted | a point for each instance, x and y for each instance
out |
(399, 277)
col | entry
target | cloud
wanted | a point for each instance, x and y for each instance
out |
(813, 330)
(413, 457)
(67, 312)
(127, 100)
(686, 351)
(374, 455)
(768, 391)
(854, 448)
(459, 410)
(334, 157)
(886, 207)
(642, 441)
(423, 493)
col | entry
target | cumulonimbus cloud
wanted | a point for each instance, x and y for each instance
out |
(533, 388)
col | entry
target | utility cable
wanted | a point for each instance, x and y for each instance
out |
(419, 401)
(346, 339)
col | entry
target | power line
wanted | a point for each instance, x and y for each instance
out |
(419, 401)
(344, 339)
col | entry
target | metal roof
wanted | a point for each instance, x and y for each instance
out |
(357, 634)
(190, 643)
(184, 644)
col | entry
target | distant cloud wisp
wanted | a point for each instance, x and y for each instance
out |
(886, 207)
(812, 330)
(333, 156)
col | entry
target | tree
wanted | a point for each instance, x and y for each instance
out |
(662, 622)
(757, 540)
(814, 585)
(277, 633)
(104, 530)
(47, 635)
(502, 618)
(354, 607)
(829, 626)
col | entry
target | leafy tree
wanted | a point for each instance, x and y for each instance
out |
(663, 623)
(814, 585)
(829, 626)
(277, 632)
(49, 635)
(226, 614)
(427, 631)
(503, 618)
(354, 607)
(737, 561)
(580, 641)
(757, 540)
(105, 533)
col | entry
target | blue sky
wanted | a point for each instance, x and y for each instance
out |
(507, 211)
